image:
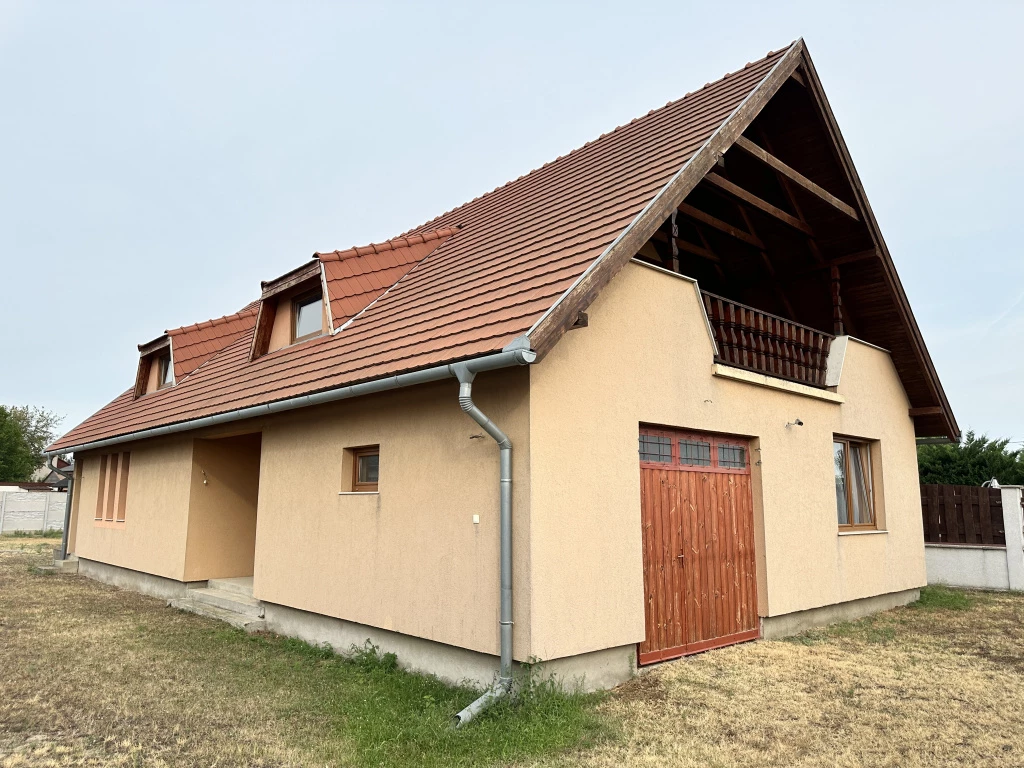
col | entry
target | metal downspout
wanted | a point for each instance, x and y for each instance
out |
(67, 504)
(503, 686)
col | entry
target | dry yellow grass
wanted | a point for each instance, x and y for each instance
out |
(11, 544)
(911, 687)
(94, 676)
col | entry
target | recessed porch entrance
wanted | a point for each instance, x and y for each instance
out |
(221, 539)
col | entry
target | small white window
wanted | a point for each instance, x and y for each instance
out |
(307, 316)
(165, 372)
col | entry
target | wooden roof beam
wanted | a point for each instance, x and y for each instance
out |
(756, 202)
(773, 162)
(706, 218)
(686, 245)
(849, 258)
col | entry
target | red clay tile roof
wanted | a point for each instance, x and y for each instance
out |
(193, 345)
(517, 250)
(359, 276)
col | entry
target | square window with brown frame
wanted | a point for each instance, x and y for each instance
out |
(855, 495)
(365, 468)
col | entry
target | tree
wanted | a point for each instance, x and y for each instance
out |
(24, 432)
(971, 462)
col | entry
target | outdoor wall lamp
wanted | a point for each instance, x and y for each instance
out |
(794, 423)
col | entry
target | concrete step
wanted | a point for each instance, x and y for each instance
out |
(241, 621)
(66, 566)
(229, 601)
(239, 585)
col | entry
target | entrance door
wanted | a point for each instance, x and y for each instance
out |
(700, 581)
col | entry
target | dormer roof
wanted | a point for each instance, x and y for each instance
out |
(194, 344)
(357, 277)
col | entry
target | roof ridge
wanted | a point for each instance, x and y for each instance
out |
(403, 241)
(617, 128)
(249, 309)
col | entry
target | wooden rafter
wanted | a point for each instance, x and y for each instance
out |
(849, 258)
(756, 202)
(841, 317)
(719, 268)
(697, 250)
(687, 246)
(787, 189)
(706, 218)
(769, 267)
(773, 162)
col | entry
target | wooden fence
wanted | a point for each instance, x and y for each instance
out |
(757, 341)
(963, 514)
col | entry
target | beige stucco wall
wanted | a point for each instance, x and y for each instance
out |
(646, 357)
(221, 538)
(152, 538)
(408, 559)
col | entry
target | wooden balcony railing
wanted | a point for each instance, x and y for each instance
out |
(757, 341)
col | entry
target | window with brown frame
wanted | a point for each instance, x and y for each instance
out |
(165, 371)
(365, 468)
(307, 316)
(855, 494)
(112, 488)
(693, 451)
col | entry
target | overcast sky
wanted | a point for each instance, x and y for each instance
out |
(160, 159)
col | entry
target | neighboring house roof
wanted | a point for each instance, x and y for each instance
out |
(35, 486)
(520, 261)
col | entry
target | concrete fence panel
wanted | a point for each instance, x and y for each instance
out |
(31, 510)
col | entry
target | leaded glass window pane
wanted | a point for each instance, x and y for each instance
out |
(732, 457)
(695, 453)
(655, 448)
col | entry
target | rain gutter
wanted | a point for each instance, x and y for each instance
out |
(516, 353)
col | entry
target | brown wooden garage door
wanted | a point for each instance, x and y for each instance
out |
(700, 581)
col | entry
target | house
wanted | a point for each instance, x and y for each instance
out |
(657, 396)
(48, 476)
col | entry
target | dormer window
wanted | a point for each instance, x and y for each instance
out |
(307, 316)
(292, 310)
(156, 366)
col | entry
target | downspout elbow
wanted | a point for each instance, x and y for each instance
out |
(492, 429)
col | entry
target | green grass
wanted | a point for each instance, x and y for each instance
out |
(49, 534)
(936, 598)
(363, 703)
